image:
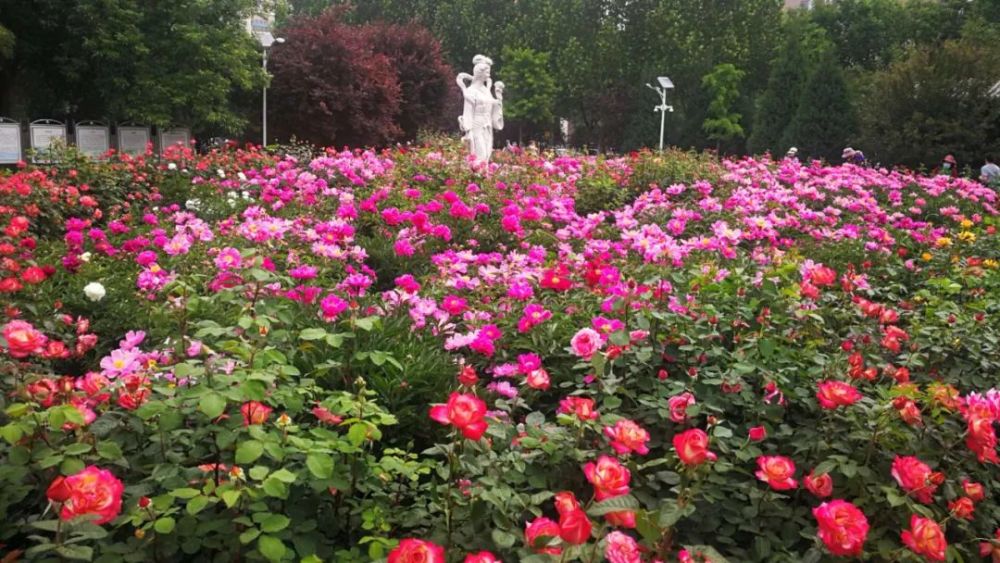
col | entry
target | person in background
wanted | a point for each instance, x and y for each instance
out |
(792, 152)
(851, 156)
(990, 173)
(949, 167)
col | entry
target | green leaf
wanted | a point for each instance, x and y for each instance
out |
(504, 540)
(197, 504)
(366, 324)
(77, 449)
(274, 523)
(212, 404)
(76, 551)
(275, 488)
(614, 504)
(249, 535)
(248, 452)
(185, 493)
(271, 547)
(312, 334)
(231, 498)
(258, 472)
(824, 467)
(164, 525)
(320, 465)
(284, 476)
(109, 450)
(12, 433)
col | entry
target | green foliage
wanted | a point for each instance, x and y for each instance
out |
(531, 98)
(160, 63)
(779, 102)
(936, 101)
(722, 123)
(824, 120)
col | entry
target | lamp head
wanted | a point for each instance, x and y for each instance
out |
(665, 82)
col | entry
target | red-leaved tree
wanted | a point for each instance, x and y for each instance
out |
(423, 76)
(358, 85)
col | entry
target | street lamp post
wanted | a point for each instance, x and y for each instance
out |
(266, 42)
(664, 85)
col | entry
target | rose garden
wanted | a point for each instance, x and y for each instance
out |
(659, 356)
(448, 344)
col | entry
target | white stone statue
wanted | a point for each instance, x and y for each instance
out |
(483, 111)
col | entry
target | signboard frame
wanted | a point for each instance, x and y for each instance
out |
(93, 126)
(182, 135)
(11, 125)
(131, 127)
(40, 125)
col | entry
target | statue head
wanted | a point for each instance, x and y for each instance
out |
(481, 67)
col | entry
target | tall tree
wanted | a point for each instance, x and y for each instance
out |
(937, 101)
(158, 62)
(723, 84)
(778, 103)
(824, 120)
(532, 89)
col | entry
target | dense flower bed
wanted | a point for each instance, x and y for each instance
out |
(370, 355)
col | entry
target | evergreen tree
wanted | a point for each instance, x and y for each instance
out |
(824, 120)
(789, 70)
(723, 83)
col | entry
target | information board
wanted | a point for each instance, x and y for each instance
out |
(10, 143)
(93, 140)
(171, 137)
(133, 139)
(43, 134)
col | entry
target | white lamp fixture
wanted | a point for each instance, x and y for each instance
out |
(664, 84)
(267, 40)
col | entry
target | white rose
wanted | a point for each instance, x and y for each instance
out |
(192, 204)
(172, 166)
(94, 291)
(242, 177)
(221, 172)
(85, 257)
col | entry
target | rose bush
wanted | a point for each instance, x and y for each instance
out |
(399, 356)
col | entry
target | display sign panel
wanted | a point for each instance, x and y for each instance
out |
(10, 142)
(93, 140)
(133, 139)
(44, 133)
(172, 137)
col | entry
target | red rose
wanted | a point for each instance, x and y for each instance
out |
(821, 486)
(962, 508)
(842, 527)
(58, 491)
(975, 491)
(692, 447)
(481, 557)
(758, 433)
(463, 411)
(609, 477)
(833, 394)
(255, 412)
(22, 339)
(777, 471)
(93, 492)
(626, 436)
(925, 538)
(915, 477)
(539, 533)
(574, 527)
(417, 551)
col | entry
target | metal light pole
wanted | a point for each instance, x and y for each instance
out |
(266, 41)
(664, 85)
